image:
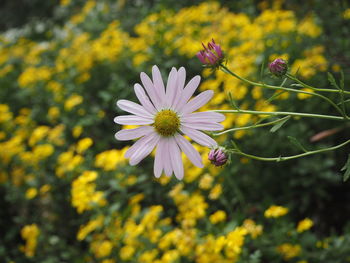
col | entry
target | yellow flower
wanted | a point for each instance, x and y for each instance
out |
(126, 252)
(217, 217)
(275, 211)
(346, 14)
(77, 130)
(102, 248)
(253, 229)
(30, 234)
(289, 251)
(304, 225)
(73, 101)
(31, 193)
(215, 192)
(84, 144)
(206, 181)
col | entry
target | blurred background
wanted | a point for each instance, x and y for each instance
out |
(68, 195)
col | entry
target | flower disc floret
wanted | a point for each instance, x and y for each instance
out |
(166, 123)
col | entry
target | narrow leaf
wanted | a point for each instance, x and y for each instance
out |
(262, 70)
(274, 96)
(232, 101)
(331, 80)
(341, 82)
(235, 145)
(279, 124)
(296, 143)
(346, 168)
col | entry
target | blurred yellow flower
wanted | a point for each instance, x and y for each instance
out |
(275, 211)
(30, 234)
(289, 251)
(217, 217)
(31, 193)
(304, 225)
(73, 101)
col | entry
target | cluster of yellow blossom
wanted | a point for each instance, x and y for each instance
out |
(304, 225)
(289, 251)
(275, 211)
(84, 195)
(30, 234)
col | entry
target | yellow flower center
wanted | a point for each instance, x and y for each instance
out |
(166, 123)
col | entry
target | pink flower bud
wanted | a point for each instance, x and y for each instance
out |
(217, 157)
(278, 67)
(212, 54)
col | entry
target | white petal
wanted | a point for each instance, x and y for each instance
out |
(143, 98)
(176, 160)
(189, 150)
(206, 126)
(158, 83)
(142, 152)
(133, 108)
(199, 137)
(159, 159)
(205, 116)
(167, 158)
(132, 120)
(181, 78)
(130, 134)
(197, 102)
(188, 91)
(171, 88)
(139, 144)
(147, 83)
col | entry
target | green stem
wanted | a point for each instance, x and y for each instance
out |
(279, 159)
(252, 126)
(313, 88)
(225, 69)
(278, 113)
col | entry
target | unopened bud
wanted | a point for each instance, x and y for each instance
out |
(218, 157)
(212, 54)
(278, 67)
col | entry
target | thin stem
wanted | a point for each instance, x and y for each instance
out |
(313, 88)
(225, 69)
(252, 126)
(285, 158)
(277, 113)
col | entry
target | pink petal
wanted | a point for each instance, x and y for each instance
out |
(132, 120)
(139, 144)
(181, 78)
(158, 82)
(199, 137)
(205, 116)
(188, 91)
(130, 134)
(176, 160)
(167, 158)
(171, 88)
(189, 150)
(206, 126)
(159, 159)
(197, 102)
(133, 108)
(143, 98)
(147, 148)
(147, 83)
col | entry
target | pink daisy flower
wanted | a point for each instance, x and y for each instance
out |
(165, 115)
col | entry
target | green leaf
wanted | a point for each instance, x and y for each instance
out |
(346, 168)
(279, 124)
(235, 146)
(296, 143)
(274, 96)
(232, 101)
(342, 80)
(331, 80)
(262, 70)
